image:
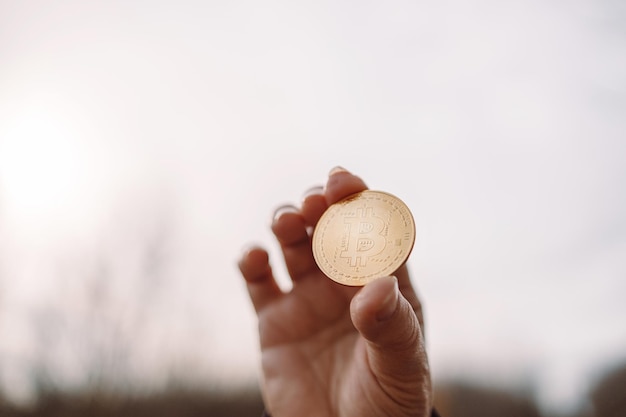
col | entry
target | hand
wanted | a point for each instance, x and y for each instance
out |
(330, 350)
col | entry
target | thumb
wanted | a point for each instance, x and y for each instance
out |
(393, 336)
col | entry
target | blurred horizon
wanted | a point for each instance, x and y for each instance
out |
(143, 145)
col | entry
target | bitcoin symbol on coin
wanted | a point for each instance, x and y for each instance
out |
(363, 237)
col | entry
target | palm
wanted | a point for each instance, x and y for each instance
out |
(314, 360)
(308, 347)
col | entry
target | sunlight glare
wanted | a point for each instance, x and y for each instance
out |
(42, 169)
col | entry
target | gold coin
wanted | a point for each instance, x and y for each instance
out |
(365, 236)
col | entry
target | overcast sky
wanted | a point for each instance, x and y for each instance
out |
(501, 124)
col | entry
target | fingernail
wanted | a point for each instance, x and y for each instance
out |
(246, 249)
(287, 208)
(243, 255)
(337, 170)
(390, 303)
(317, 190)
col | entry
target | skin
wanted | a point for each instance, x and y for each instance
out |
(330, 350)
